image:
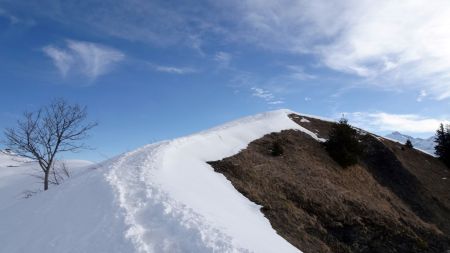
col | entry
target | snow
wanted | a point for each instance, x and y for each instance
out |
(72, 217)
(163, 197)
(314, 117)
(305, 120)
(16, 177)
(424, 145)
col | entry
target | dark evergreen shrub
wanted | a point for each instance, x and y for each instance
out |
(408, 144)
(343, 145)
(276, 149)
(442, 148)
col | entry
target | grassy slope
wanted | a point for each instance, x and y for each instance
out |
(394, 200)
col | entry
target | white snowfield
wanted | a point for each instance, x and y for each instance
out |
(163, 197)
(18, 178)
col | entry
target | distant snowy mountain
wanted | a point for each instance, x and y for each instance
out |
(426, 145)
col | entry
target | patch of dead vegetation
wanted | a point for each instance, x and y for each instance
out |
(382, 204)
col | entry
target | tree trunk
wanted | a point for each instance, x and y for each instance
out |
(46, 174)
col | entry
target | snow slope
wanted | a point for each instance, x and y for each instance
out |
(163, 197)
(16, 176)
(75, 216)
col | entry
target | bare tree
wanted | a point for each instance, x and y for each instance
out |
(42, 135)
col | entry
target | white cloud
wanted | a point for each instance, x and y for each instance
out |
(398, 44)
(152, 22)
(96, 59)
(89, 59)
(261, 93)
(266, 95)
(12, 19)
(298, 73)
(276, 102)
(401, 43)
(423, 94)
(62, 59)
(16, 20)
(406, 123)
(223, 58)
(174, 70)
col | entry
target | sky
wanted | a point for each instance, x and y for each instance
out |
(155, 70)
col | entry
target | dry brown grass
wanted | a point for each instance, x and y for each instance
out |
(320, 207)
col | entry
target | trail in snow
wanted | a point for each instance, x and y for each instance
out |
(174, 201)
(160, 198)
(156, 222)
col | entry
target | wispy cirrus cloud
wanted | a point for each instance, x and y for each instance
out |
(86, 58)
(154, 22)
(62, 59)
(266, 95)
(15, 19)
(12, 19)
(422, 95)
(401, 44)
(174, 70)
(406, 123)
(223, 58)
(299, 73)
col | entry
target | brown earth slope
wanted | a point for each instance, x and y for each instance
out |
(393, 200)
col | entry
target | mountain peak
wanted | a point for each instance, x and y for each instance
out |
(426, 145)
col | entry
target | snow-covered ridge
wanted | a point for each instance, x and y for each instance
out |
(163, 197)
(194, 208)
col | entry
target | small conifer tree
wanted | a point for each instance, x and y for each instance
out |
(442, 148)
(276, 149)
(343, 144)
(409, 144)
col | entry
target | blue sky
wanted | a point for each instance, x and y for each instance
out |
(154, 70)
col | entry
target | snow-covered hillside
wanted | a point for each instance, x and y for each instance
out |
(17, 177)
(426, 145)
(163, 197)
